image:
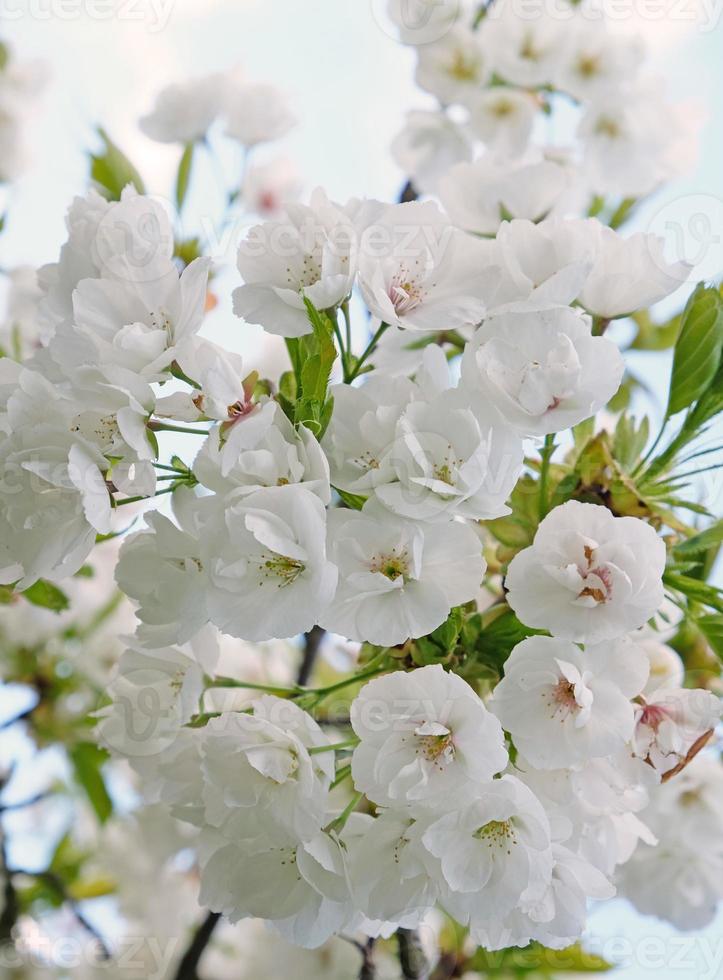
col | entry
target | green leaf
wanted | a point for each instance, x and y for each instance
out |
(495, 634)
(87, 759)
(353, 500)
(695, 590)
(183, 176)
(312, 357)
(629, 441)
(112, 170)
(712, 628)
(536, 960)
(697, 350)
(47, 595)
(700, 543)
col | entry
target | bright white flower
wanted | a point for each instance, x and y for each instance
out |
(130, 240)
(525, 50)
(311, 253)
(564, 706)
(588, 576)
(546, 262)
(141, 326)
(265, 557)
(398, 579)
(54, 496)
(558, 918)
(453, 68)
(629, 274)
(268, 186)
(417, 271)
(153, 694)
(631, 136)
(681, 878)
(275, 455)
(452, 456)
(425, 738)
(672, 726)
(183, 112)
(428, 145)
(358, 441)
(260, 781)
(503, 118)
(543, 371)
(479, 196)
(161, 569)
(301, 889)
(495, 853)
(257, 114)
(596, 60)
(388, 868)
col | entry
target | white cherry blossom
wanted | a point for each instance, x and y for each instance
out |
(398, 579)
(588, 576)
(429, 143)
(454, 67)
(311, 252)
(425, 737)
(672, 726)
(564, 706)
(543, 371)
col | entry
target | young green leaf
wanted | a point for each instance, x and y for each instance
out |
(697, 350)
(112, 170)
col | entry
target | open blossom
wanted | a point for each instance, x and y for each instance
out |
(54, 496)
(595, 60)
(525, 50)
(267, 187)
(257, 113)
(260, 781)
(588, 576)
(543, 371)
(454, 67)
(631, 136)
(503, 117)
(629, 273)
(389, 867)
(494, 853)
(429, 143)
(681, 880)
(301, 889)
(398, 579)
(125, 240)
(452, 456)
(142, 325)
(478, 196)
(564, 706)
(154, 693)
(425, 737)
(673, 725)
(419, 272)
(161, 569)
(276, 454)
(311, 252)
(265, 557)
(359, 439)
(184, 112)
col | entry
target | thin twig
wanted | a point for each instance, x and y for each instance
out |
(312, 644)
(188, 967)
(411, 955)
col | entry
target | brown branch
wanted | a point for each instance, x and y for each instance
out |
(188, 967)
(411, 955)
(312, 644)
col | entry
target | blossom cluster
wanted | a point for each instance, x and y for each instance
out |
(497, 75)
(507, 775)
